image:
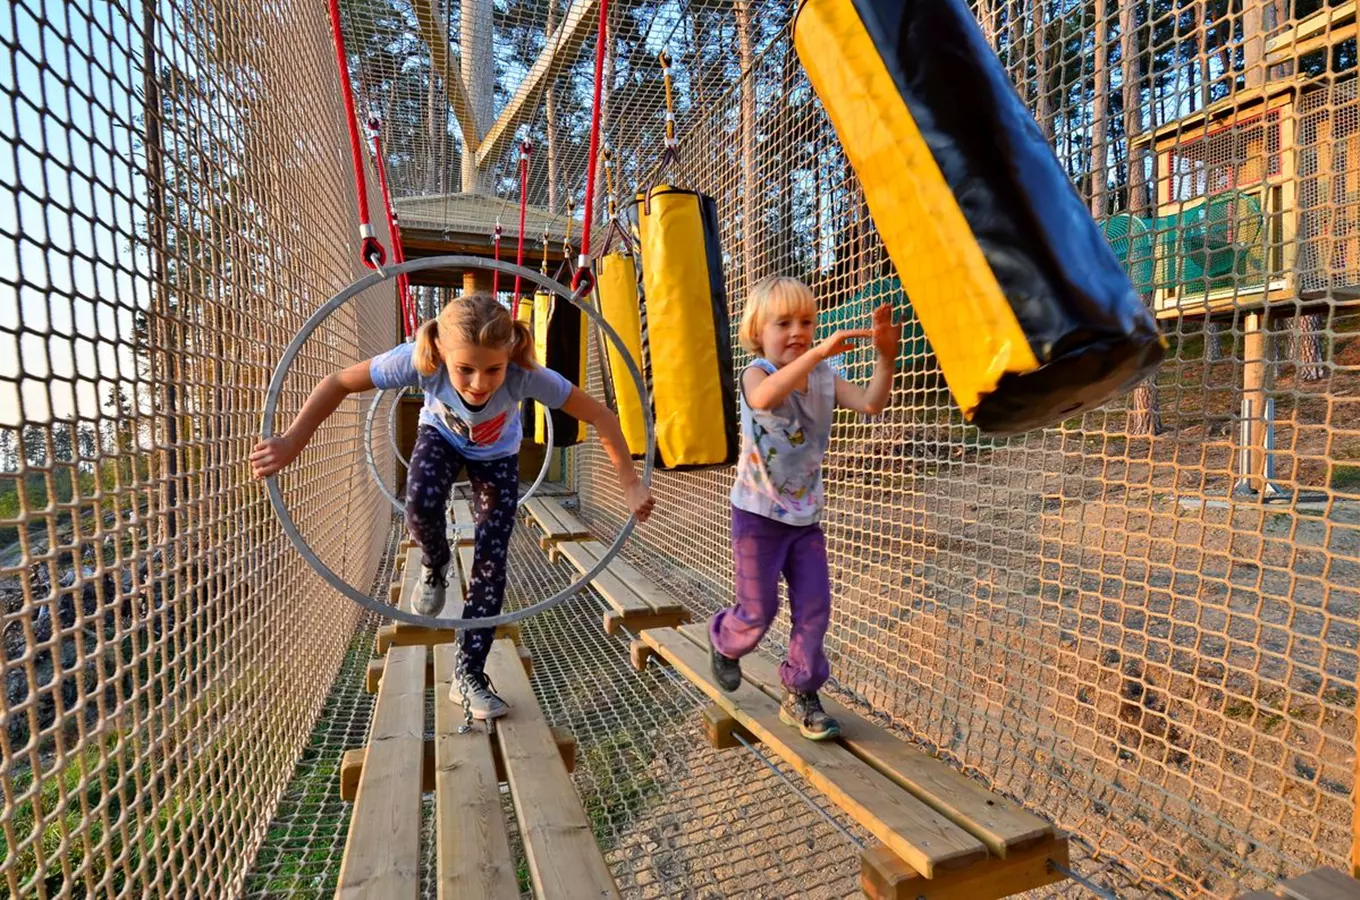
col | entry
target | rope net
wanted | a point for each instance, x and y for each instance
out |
(1141, 624)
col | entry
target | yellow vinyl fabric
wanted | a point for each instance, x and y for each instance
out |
(1028, 312)
(616, 292)
(686, 332)
(560, 343)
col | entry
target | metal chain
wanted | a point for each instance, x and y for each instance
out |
(459, 674)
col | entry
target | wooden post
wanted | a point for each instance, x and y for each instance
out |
(477, 280)
(1251, 456)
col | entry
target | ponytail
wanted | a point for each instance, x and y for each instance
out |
(426, 356)
(522, 346)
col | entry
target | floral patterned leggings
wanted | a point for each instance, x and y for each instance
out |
(495, 493)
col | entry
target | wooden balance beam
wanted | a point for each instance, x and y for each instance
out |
(465, 771)
(941, 835)
(556, 523)
(636, 603)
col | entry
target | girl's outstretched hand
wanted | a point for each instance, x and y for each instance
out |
(841, 341)
(887, 333)
(271, 455)
(639, 499)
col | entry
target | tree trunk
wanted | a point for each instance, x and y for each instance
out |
(1213, 342)
(749, 163)
(1305, 346)
(1253, 43)
(1043, 98)
(478, 67)
(1100, 114)
(1143, 414)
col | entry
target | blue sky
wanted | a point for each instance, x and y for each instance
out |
(69, 279)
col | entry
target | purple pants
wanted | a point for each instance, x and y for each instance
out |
(762, 550)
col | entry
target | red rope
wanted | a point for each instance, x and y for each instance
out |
(601, 41)
(370, 251)
(394, 233)
(524, 150)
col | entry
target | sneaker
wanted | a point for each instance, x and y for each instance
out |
(804, 712)
(726, 670)
(434, 587)
(482, 701)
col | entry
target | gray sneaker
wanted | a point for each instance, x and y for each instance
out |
(434, 586)
(483, 702)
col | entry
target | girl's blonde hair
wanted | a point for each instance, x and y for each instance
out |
(477, 319)
(773, 296)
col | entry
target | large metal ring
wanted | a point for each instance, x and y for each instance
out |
(396, 502)
(349, 293)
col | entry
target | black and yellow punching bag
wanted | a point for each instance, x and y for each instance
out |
(528, 408)
(685, 329)
(560, 342)
(1029, 313)
(616, 292)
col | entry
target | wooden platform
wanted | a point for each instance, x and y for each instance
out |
(1321, 884)
(465, 772)
(556, 523)
(403, 634)
(940, 834)
(636, 602)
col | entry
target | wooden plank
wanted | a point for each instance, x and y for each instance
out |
(1001, 825)
(556, 523)
(1320, 884)
(630, 577)
(639, 653)
(462, 513)
(560, 49)
(1308, 26)
(352, 770)
(885, 877)
(615, 622)
(382, 852)
(566, 746)
(526, 659)
(722, 730)
(922, 837)
(473, 846)
(615, 592)
(466, 556)
(564, 860)
(373, 674)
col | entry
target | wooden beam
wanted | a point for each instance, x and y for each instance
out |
(564, 860)
(444, 65)
(474, 857)
(1309, 26)
(722, 730)
(928, 841)
(1001, 825)
(615, 622)
(1320, 884)
(382, 851)
(883, 876)
(559, 51)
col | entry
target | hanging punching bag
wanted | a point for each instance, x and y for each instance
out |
(686, 334)
(560, 342)
(1025, 306)
(616, 292)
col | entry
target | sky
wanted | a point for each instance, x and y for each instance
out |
(69, 278)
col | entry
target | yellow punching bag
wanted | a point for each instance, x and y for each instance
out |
(616, 292)
(560, 342)
(685, 330)
(528, 408)
(1028, 311)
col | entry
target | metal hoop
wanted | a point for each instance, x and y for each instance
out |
(393, 499)
(349, 293)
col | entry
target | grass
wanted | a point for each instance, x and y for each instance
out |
(617, 764)
(1345, 477)
(52, 825)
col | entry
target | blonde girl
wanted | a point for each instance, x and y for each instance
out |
(475, 365)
